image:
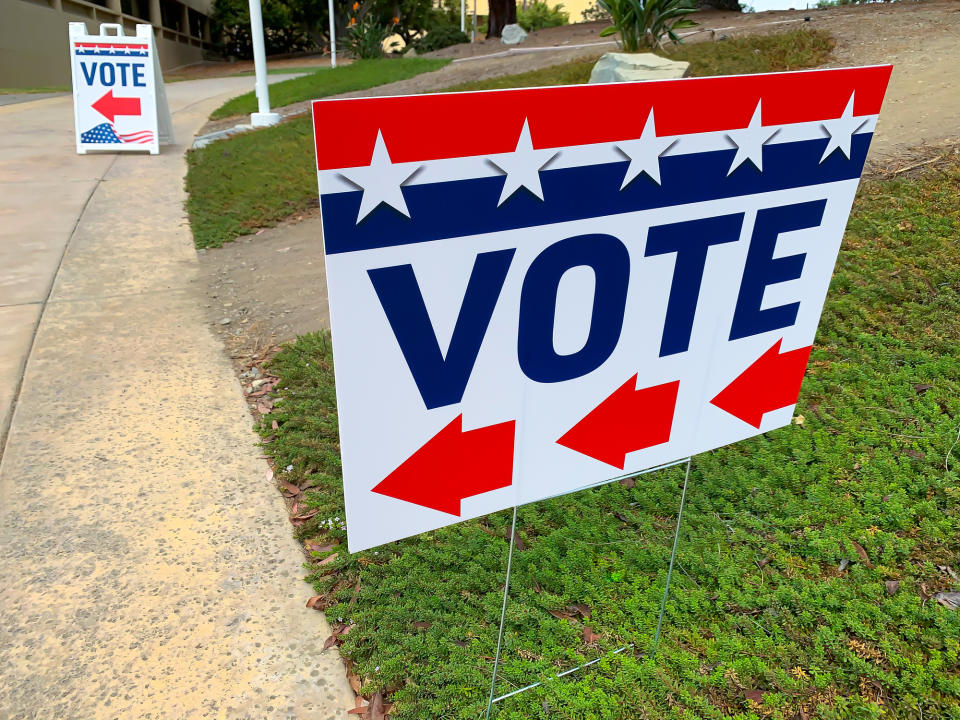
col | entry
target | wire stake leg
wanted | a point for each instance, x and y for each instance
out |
(673, 555)
(503, 612)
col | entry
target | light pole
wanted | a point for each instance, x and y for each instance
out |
(333, 37)
(264, 117)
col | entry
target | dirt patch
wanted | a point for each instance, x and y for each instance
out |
(272, 287)
(267, 288)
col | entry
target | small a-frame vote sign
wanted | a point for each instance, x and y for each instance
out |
(119, 104)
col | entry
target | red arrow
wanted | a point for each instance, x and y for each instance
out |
(110, 106)
(771, 382)
(453, 465)
(626, 421)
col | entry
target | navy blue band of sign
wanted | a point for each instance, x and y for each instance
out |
(469, 207)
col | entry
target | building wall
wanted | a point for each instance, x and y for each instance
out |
(33, 36)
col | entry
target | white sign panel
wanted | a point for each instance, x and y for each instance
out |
(548, 289)
(118, 97)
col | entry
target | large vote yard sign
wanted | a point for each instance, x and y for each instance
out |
(533, 291)
(119, 103)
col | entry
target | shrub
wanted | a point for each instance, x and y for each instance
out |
(365, 35)
(594, 13)
(438, 38)
(645, 24)
(540, 15)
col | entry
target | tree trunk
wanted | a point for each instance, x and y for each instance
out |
(502, 12)
(733, 5)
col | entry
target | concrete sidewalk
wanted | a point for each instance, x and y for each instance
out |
(147, 569)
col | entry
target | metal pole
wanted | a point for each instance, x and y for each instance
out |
(473, 30)
(503, 614)
(463, 16)
(673, 555)
(264, 117)
(333, 35)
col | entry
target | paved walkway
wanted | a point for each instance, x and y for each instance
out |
(147, 569)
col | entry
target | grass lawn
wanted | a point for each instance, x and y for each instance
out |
(36, 90)
(807, 556)
(358, 75)
(254, 180)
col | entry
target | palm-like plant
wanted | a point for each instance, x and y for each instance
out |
(646, 24)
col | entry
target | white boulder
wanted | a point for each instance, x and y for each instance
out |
(513, 35)
(632, 67)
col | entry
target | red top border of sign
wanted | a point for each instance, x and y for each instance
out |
(433, 127)
(111, 45)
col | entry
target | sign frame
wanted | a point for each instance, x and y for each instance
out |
(156, 126)
(761, 186)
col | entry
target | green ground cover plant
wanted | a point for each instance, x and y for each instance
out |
(324, 82)
(256, 179)
(809, 557)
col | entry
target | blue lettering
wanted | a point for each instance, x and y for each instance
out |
(762, 269)
(103, 75)
(610, 262)
(441, 380)
(690, 240)
(138, 80)
(91, 75)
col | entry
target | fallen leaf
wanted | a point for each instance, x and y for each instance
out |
(275, 425)
(270, 475)
(304, 516)
(289, 489)
(354, 681)
(589, 636)
(312, 602)
(754, 695)
(622, 518)
(376, 709)
(536, 587)
(798, 420)
(905, 225)
(422, 625)
(335, 636)
(915, 454)
(583, 610)
(892, 586)
(921, 388)
(264, 406)
(764, 562)
(949, 571)
(259, 232)
(862, 553)
(329, 559)
(950, 600)
(561, 615)
(925, 593)
(518, 542)
(629, 482)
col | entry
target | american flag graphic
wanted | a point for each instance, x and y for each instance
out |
(106, 133)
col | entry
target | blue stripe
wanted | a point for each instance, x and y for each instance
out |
(469, 207)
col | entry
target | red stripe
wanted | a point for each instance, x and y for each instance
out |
(110, 45)
(433, 127)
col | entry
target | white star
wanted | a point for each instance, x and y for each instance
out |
(645, 153)
(750, 141)
(381, 181)
(522, 166)
(841, 130)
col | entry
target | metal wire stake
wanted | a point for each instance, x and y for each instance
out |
(503, 613)
(673, 555)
